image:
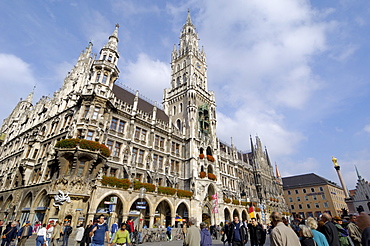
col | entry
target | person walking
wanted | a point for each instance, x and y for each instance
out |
(169, 233)
(282, 235)
(9, 234)
(306, 236)
(184, 229)
(41, 235)
(329, 230)
(342, 232)
(113, 230)
(205, 235)
(66, 233)
(224, 232)
(319, 238)
(193, 234)
(99, 232)
(122, 236)
(237, 234)
(131, 227)
(86, 240)
(79, 234)
(354, 231)
(257, 233)
(55, 236)
(49, 232)
(24, 233)
(363, 222)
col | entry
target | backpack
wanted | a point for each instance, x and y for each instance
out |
(69, 230)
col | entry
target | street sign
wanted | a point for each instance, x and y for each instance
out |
(140, 207)
(140, 203)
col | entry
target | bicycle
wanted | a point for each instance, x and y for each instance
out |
(135, 238)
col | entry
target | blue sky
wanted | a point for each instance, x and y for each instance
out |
(295, 73)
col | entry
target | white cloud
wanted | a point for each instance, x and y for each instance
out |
(148, 76)
(367, 128)
(259, 59)
(15, 74)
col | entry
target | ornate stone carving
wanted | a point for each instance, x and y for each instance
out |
(60, 198)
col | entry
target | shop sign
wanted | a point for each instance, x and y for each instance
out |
(141, 203)
(134, 212)
(140, 207)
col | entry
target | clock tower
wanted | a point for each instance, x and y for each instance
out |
(188, 102)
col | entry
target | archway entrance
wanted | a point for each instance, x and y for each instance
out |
(227, 215)
(244, 215)
(236, 214)
(8, 210)
(42, 206)
(111, 207)
(206, 215)
(139, 211)
(162, 214)
(26, 208)
(182, 212)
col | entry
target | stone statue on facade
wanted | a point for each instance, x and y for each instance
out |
(60, 198)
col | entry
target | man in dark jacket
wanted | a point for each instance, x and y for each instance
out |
(10, 234)
(257, 233)
(329, 230)
(24, 233)
(237, 234)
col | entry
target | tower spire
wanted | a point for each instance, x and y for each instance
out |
(188, 19)
(30, 96)
(358, 173)
(113, 40)
(277, 171)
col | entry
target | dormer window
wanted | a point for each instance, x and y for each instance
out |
(110, 58)
(104, 56)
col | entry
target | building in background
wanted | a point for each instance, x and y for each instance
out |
(311, 195)
(173, 152)
(360, 197)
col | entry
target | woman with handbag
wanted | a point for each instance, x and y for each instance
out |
(122, 236)
(9, 234)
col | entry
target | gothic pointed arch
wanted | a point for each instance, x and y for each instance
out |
(164, 212)
(111, 204)
(236, 213)
(142, 207)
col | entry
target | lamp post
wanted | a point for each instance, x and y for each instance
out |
(143, 207)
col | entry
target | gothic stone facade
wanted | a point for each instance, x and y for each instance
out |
(159, 146)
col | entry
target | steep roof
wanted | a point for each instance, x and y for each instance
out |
(143, 105)
(304, 180)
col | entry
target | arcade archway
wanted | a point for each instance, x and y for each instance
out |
(183, 213)
(140, 212)
(163, 214)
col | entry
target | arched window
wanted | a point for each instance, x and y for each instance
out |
(209, 151)
(180, 108)
(110, 58)
(178, 67)
(184, 78)
(98, 77)
(174, 110)
(178, 124)
(178, 81)
(104, 56)
(105, 77)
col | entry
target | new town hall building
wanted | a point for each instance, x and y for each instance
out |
(172, 151)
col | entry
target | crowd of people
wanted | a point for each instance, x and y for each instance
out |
(326, 231)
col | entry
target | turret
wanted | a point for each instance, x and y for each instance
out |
(104, 69)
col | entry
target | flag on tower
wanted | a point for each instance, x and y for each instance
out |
(251, 211)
